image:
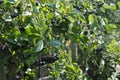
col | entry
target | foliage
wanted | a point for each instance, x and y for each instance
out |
(31, 28)
(65, 69)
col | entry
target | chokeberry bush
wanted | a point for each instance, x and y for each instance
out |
(77, 39)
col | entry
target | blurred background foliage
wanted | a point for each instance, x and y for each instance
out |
(81, 39)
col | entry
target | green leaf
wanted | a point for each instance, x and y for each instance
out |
(71, 19)
(102, 9)
(71, 68)
(55, 43)
(12, 41)
(6, 17)
(118, 47)
(31, 60)
(112, 26)
(118, 4)
(106, 20)
(91, 18)
(11, 1)
(50, 15)
(112, 46)
(44, 28)
(39, 46)
(28, 30)
(112, 6)
(106, 6)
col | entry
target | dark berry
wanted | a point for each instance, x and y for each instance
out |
(37, 3)
(78, 7)
(85, 32)
(74, 6)
(105, 32)
(18, 8)
(91, 32)
(49, 59)
(1, 1)
(46, 60)
(99, 49)
(14, 15)
(100, 4)
(53, 22)
(22, 29)
(56, 57)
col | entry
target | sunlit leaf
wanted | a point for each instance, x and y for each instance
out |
(39, 46)
(71, 68)
(118, 48)
(106, 20)
(110, 27)
(118, 3)
(91, 18)
(28, 30)
(112, 6)
(106, 6)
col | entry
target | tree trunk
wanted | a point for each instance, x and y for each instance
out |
(73, 47)
(2, 74)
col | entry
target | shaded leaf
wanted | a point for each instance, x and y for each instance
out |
(11, 1)
(31, 60)
(12, 41)
(55, 43)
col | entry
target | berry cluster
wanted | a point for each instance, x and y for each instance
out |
(99, 49)
(22, 29)
(1, 1)
(88, 32)
(46, 60)
(78, 7)
(100, 4)
(15, 15)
